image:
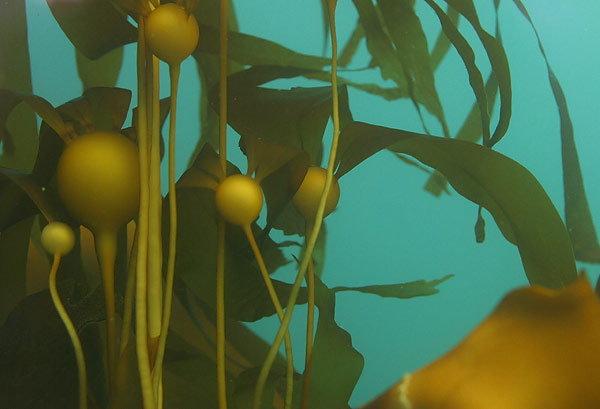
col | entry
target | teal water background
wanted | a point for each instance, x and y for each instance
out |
(387, 229)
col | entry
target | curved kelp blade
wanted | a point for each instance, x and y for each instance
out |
(419, 288)
(94, 26)
(15, 73)
(336, 365)
(442, 44)
(577, 210)
(103, 72)
(23, 196)
(498, 61)
(246, 297)
(468, 56)
(10, 99)
(469, 131)
(522, 210)
(14, 246)
(35, 374)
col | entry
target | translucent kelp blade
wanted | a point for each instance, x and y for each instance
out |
(23, 196)
(10, 99)
(14, 247)
(93, 26)
(15, 73)
(419, 288)
(351, 47)
(249, 50)
(577, 210)
(469, 131)
(379, 44)
(442, 44)
(345, 365)
(246, 297)
(468, 56)
(102, 72)
(499, 62)
(522, 210)
(409, 38)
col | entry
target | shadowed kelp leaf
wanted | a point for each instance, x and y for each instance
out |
(103, 72)
(23, 196)
(292, 117)
(14, 246)
(468, 57)
(498, 61)
(419, 288)
(15, 73)
(94, 26)
(99, 108)
(577, 210)
(246, 297)
(37, 363)
(519, 204)
(336, 365)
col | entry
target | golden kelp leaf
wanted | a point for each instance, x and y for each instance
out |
(538, 349)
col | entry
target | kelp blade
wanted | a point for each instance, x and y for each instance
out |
(522, 209)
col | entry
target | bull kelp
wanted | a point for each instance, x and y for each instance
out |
(186, 262)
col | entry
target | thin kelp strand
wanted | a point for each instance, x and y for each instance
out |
(174, 71)
(272, 354)
(220, 277)
(310, 319)
(64, 316)
(142, 248)
(128, 301)
(279, 310)
(154, 211)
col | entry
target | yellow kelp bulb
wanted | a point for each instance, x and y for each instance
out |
(239, 199)
(306, 200)
(57, 238)
(171, 33)
(98, 180)
(537, 350)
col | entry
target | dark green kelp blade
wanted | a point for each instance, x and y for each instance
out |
(102, 72)
(522, 209)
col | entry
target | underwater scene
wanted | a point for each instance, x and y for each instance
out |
(244, 204)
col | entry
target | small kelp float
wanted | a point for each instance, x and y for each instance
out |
(537, 350)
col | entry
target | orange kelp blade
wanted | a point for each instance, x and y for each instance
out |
(538, 349)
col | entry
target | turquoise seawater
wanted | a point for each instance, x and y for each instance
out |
(387, 229)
